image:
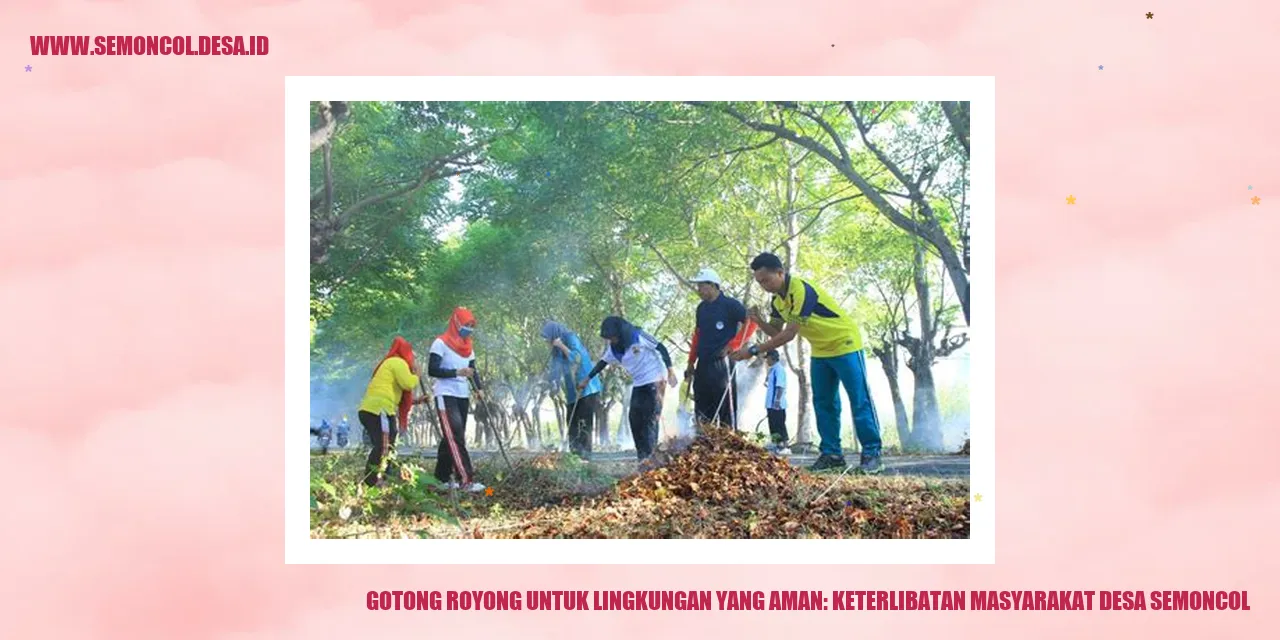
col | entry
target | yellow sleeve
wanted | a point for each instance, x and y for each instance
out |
(400, 372)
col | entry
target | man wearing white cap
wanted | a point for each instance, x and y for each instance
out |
(722, 326)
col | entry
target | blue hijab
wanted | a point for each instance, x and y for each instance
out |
(616, 327)
(552, 330)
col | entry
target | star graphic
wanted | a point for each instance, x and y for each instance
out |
(977, 497)
(1150, 15)
(488, 491)
(28, 68)
(1257, 200)
(1071, 199)
(1251, 187)
(1099, 67)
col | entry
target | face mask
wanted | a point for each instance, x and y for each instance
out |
(466, 331)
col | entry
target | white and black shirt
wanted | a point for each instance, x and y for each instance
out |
(444, 363)
(642, 360)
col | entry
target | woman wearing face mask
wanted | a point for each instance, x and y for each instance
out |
(451, 364)
(644, 357)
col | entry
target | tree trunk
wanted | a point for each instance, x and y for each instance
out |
(958, 117)
(930, 230)
(602, 423)
(561, 409)
(804, 423)
(888, 356)
(522, 415)
(804, 427)
(331, 113)
(624, 424)
(927, 434)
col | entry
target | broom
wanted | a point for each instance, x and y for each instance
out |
(448, 437)
(496, 436)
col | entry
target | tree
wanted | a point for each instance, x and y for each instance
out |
(837, 124)
(383, 171)
(882, 275)
(576, 211)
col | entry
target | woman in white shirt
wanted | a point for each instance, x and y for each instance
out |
(644, 358)
(451, 364)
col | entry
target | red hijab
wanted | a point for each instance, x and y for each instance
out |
(400, 348)
(453, 338)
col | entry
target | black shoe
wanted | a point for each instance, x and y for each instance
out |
(870, 465)
(826, 462)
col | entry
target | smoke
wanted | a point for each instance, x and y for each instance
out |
(749, 385)
(954, 402)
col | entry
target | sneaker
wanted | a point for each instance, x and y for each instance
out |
(826, 462)
(870, 465)
(783, 451)
(475, 487)
(453, 485)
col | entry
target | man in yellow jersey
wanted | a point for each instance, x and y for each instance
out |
(837, 359)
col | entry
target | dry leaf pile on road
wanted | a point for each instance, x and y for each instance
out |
(720, 485)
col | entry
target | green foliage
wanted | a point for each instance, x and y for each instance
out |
(338, 496)
(577, 210)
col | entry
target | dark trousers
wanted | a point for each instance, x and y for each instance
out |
(644, 419)
(710, 380)
(582, 423)
(373, 432)
(778, 425)
(455, 414)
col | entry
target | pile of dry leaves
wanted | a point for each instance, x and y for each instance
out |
(722, 486)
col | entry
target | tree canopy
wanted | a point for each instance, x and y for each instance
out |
(573, 211)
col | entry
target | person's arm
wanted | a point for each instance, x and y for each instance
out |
(666, 356)
(595, 371)
(693, 348)
(787, 334)
(564, 348)
(435, 368)
(774, 324)
(746, 329)
(741, 329)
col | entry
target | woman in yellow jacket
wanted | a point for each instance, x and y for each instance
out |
(386, 404)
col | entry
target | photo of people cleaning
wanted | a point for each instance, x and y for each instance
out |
(554, 261)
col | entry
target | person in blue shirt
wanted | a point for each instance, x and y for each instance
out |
(775, 402)
(322, 434)
(344, 433)
(570, 363)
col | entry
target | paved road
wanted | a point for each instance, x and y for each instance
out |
(931, 466)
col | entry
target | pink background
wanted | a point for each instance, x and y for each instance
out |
(141, 292)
